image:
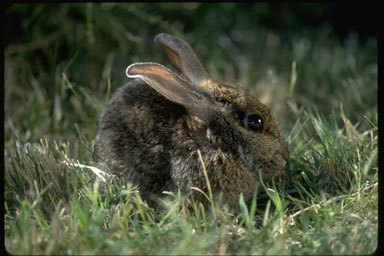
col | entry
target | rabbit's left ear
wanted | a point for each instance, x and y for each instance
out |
(171, 86)
(183, 57)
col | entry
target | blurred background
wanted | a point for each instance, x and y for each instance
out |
(62, 61)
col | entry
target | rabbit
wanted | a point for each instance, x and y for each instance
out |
(152, 128)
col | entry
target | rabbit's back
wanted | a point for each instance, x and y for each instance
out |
(135, 129)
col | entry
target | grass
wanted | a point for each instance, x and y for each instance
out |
(56, 209)
(322, 89)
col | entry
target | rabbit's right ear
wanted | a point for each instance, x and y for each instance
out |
(171, 86)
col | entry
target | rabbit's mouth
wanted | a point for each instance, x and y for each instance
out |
(272, 168)
(268, 168)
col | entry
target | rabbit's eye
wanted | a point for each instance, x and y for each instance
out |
(254, 122)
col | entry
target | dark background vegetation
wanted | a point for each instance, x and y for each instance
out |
(53, 51)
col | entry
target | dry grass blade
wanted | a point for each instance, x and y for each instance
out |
(206, 180)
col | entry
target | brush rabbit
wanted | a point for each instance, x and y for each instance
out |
(151, 129)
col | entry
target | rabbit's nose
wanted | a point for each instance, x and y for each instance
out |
(279, 160)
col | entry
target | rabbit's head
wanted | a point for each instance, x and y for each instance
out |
(220, 115)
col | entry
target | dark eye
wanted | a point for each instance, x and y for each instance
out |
(254, 122)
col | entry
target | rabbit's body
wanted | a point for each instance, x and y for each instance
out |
(152, 128)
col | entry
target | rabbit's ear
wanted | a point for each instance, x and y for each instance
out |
(183, 57)
(171, 86)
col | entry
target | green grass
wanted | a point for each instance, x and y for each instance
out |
(322, 89)
(330, 208)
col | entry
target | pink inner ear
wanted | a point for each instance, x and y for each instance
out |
(147, 69)
(161, 79)
(170, 86)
